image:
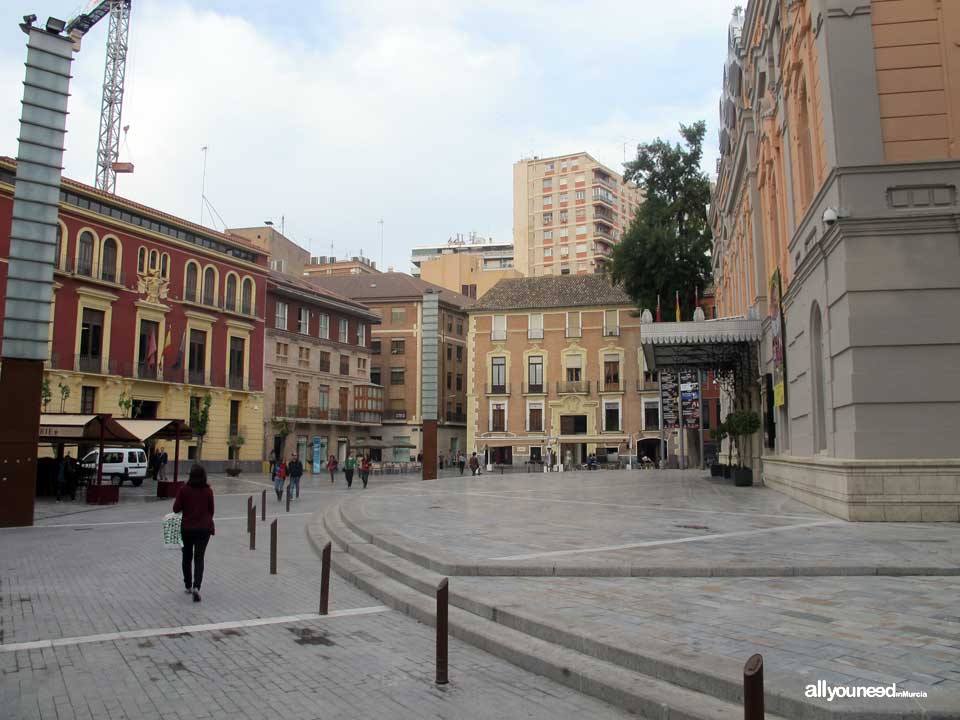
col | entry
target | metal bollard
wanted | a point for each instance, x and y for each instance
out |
(263, 505)
(253, 534)
(249, 513)
(443, 590)
(273, 547)
(753, 688)
(325, 580)
(288, 498)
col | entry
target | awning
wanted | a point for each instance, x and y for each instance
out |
(66, 428)
(707, 344)
(372, 444)
(155, 429)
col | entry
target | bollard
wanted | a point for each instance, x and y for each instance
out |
(325, 580)
(288, 499)
(442, 595)
(253, 534)
(250, 514)
(263, 505)
(753, 688)
(273, 547)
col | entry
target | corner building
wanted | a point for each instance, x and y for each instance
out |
(152, 310)
(555, 365)
(836, 221)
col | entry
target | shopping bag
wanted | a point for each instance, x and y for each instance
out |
(171, 531)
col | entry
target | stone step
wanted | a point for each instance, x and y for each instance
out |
(409, 588)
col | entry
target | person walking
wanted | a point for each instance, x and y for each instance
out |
(461, 460)
(474, 464)
(365, 469)
(348, 467)
(332, 468)
(279, 477)
(273, 461)
(295, 471)
(61, 483)
(163, 464)
(195, 501)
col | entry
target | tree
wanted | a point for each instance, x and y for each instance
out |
(666, 248)
(45, 393)
(741, 425)
(199, 417)
(64, 394)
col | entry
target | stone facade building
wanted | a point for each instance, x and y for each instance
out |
(319, 399)
(836, 221)
(396, 357)
(555, 365)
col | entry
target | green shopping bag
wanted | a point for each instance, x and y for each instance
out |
(172, 538)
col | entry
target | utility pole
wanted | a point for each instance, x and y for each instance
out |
(380, 223)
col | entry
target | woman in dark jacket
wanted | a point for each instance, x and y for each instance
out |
(195, 501)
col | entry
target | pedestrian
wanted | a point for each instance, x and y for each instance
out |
(279, 477)
(365, 469)
(273, 461)
(61, 483)
(461, 460)
(163, 464)
(474, 464)
(348, 467)
(295, 471)
(332, 468)
(195, 501)
(154, 463)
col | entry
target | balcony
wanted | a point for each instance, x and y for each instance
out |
(604, 197)
(573, 387)
(372, 417)
(498, 335)
(535, 334)
(613, 386)
(89, 363)
(603, 233)
(456, 417)
(602, 178)
(197, 377)
(498, 389)
(574, 332)
(611, 331)
(235, 381)
(147, 371)
(603, 215)
(394, 414)
(534, 389)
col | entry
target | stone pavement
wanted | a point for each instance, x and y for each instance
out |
(882, 610)
(84, 571)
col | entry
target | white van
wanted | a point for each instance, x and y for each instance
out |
(115, 461)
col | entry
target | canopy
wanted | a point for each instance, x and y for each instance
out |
(371, 443)
(707, 344)
(155, 429)
(400, 445)
(69, 429)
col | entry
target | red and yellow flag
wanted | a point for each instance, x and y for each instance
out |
(678, 306)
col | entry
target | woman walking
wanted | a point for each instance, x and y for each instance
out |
(279, 476)
(332, 468)
(365, 469)
(195, 501)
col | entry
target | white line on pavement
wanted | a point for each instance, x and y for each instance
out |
(159, 632)
(674, 541)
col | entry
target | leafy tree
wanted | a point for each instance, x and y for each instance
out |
(45, 393)
(64, 394)
(666, 248)
(199, 418)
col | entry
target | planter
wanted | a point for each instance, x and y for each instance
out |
(743, 477)
(725, 471)
(234, 471)
(716, 470)
(103, 494)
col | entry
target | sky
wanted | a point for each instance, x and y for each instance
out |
(334, 115)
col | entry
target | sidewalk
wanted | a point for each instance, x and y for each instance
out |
(81, 572)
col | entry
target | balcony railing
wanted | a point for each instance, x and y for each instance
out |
(604, 215)
(366, 416)
(148, 371)
(604, 179)
(235, 382)
(601, 197)
(574, 332)
(573, 387)
(499, 389)
(534, 388)
(611, 330)
(88, 363)
(197, 377)
(602, 231)
(535, 334)
(395, 414)
(613, 385)
(456, 417)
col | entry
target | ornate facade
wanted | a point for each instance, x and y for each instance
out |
(836, 221)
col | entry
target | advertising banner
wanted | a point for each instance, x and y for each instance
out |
(690, 398)
(668, 399)
(777, 328)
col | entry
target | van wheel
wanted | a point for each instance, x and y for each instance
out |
(116, 479)
(136, 482)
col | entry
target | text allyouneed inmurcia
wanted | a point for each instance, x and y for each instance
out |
(823, 690)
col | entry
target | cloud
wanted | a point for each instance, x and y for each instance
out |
(413, 112)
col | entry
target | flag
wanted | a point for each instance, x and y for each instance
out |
(167, 342)
(678, 306)
(152, 348)
(179, 361)
(658, 309)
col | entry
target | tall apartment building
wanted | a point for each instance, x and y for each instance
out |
(836, 219)
(568, 213)
(396, 356)
(151, 314)
(556, 366)
(469, 266)
(319, 399)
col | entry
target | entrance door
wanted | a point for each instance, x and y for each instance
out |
(302, 448)
(342, 450)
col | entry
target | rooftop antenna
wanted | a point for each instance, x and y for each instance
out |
(380, 223)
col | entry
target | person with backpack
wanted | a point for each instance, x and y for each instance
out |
(348, 467)
(332, 468)
(365, 469)
(295, 471)
(474, 464)
(195, 501)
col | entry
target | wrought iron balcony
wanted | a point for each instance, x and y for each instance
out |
(573, 387)
(534, 388)
(499, 389)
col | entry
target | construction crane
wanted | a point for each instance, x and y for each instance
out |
(111, 104)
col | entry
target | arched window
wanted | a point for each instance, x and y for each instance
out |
(817, 383)
(190, 283)
(108, 263)
(154, 259)
(85, 254)
(209, 282)
(165, 265)
(246, 302)
(230, 295)
(56, 258)
(142, 260)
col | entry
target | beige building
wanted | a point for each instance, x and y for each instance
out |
(555, 366)
(836, 222)
(396, 357)
(328, 265)
(469, 266)
(318, 395)
(568, 213)
(285, 255)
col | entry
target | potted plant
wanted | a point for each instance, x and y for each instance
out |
(235, 443)
(719, 434)
(741, 425)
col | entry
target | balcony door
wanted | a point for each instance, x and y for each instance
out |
(91, 341)
(344, 402)
(147, 357)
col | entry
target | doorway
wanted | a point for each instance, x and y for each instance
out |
(341, 450)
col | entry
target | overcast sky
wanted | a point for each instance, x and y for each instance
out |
(337, 114)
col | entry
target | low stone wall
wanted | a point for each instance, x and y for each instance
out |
(870, 490)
